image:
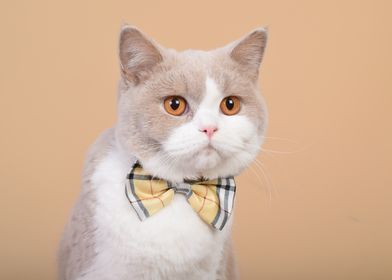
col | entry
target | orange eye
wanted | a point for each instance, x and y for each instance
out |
(174, 105)
(230, 105)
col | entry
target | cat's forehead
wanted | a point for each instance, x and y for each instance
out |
(186, 73)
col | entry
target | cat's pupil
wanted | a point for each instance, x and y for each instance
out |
(175, 103)
(229, 103)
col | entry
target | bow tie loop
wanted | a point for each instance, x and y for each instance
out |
(182, 187)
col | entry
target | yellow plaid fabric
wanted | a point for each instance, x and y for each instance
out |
(212, 200)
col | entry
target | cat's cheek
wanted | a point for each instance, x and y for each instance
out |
(236, 130)
(184, 140)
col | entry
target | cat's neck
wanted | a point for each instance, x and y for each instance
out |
(154, 167)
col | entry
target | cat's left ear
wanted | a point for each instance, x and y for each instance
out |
(249, 50)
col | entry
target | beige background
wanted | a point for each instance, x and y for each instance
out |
(320, 209)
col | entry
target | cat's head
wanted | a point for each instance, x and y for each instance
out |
(190, 114)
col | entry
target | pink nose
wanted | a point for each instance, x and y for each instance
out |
(209, 131)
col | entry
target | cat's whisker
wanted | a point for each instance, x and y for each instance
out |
(278, 138)
(263, 169)
(264, 184)
(266, 187)
(241, 145)
(279, 152)
(259, 167)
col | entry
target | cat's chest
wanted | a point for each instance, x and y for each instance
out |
(176, 234)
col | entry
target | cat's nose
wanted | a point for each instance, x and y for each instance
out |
(209, 131)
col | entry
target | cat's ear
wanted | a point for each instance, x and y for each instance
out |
(138, 54)
(249, 50)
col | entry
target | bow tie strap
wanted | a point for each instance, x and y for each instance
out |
(212, 199)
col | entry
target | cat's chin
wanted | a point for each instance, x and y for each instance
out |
(208, 158)
(206, 164)
(201, 165)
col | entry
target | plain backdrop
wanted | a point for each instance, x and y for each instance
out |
(316, 205)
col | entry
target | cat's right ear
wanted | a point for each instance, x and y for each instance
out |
(249, 50)
(138, 54)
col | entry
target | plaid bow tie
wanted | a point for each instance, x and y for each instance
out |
(212, 200)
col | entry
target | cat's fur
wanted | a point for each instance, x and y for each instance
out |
(104, 238)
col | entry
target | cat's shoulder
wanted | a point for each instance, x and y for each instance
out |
(78, 245)
(99, 150)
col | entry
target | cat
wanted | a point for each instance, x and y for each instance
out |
(181, 115)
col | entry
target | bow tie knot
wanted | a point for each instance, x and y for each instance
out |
(182, 187)
(211, 199)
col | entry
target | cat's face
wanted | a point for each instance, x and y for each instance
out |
(190, 114)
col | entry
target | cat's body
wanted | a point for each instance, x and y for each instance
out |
(173, 245)
(104, 238)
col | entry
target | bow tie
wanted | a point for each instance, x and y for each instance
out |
(212, 200)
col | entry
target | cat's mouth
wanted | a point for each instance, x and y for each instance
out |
(203, 150)
(207, 157)
(210, 148)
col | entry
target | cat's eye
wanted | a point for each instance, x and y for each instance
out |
(175, 105)
(230, 105)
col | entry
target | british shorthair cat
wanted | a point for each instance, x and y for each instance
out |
(158, 188)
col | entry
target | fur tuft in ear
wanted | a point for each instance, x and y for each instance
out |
(249, 50)
(138, 54)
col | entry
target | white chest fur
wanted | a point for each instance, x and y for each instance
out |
(172, 244)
